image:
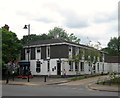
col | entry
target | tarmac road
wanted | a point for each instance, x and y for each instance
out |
(52, 90)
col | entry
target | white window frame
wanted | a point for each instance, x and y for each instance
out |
(38, 67)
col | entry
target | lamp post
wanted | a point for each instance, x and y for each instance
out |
(28, 27)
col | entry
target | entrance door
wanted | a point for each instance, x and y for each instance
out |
(58, 68)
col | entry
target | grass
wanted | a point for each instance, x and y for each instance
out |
(77, 78)
(83, 77)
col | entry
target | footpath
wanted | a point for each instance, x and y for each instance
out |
(89, 83)
(35, 81)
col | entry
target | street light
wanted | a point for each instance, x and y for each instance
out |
(28, 27)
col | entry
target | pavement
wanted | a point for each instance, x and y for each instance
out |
(36, 81)
(89, 83)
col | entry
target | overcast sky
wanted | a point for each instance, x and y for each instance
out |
(94, 20)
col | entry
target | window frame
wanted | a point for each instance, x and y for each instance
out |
(38, 66)
(70, 66)
(82, 66)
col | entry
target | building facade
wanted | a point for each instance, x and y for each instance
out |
(51, 57)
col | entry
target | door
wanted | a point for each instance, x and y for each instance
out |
(58, 68)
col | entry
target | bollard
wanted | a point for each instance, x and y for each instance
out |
(7, 79)
(28, 79)
(45, 78)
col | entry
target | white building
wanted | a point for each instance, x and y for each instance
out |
(51, 57)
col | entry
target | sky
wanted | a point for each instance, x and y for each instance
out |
(89, 20)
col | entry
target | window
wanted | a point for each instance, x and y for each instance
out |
(98, 67)
(76, 66)
(82, 66)
(38, 66)
(71, 66)
(32, 54)
(48, 65)
(48, 51)
(76, 51)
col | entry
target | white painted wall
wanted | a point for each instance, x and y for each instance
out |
(38, 54)
(114, 67)
(53, 64)
(108, 67)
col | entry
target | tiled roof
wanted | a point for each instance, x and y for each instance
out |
(51, 41)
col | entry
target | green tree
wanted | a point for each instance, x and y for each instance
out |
(11, 45)
(34, 37)
(62, 34)
(73, 38)
(113, 47)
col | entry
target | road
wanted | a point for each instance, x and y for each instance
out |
(52, 90)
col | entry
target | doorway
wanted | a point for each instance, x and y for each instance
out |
(58, 68)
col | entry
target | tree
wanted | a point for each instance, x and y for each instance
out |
(113, 47)
(11, 45)
(34, 37)
(54, 33)
(73, 38)
(58, 33)
(62, 34)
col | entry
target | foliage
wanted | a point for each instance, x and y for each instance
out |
(78, 57)
(113, 47)
(62, 34)
(83, 77)
(73, 38)
(58, 33)
(34, 37)
(11, 45)
(92, 55)
(112, 81)
(54, 33)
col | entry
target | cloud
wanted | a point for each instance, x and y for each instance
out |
(45, 20)
(74, 20)
(106, 17)
(96, 19)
